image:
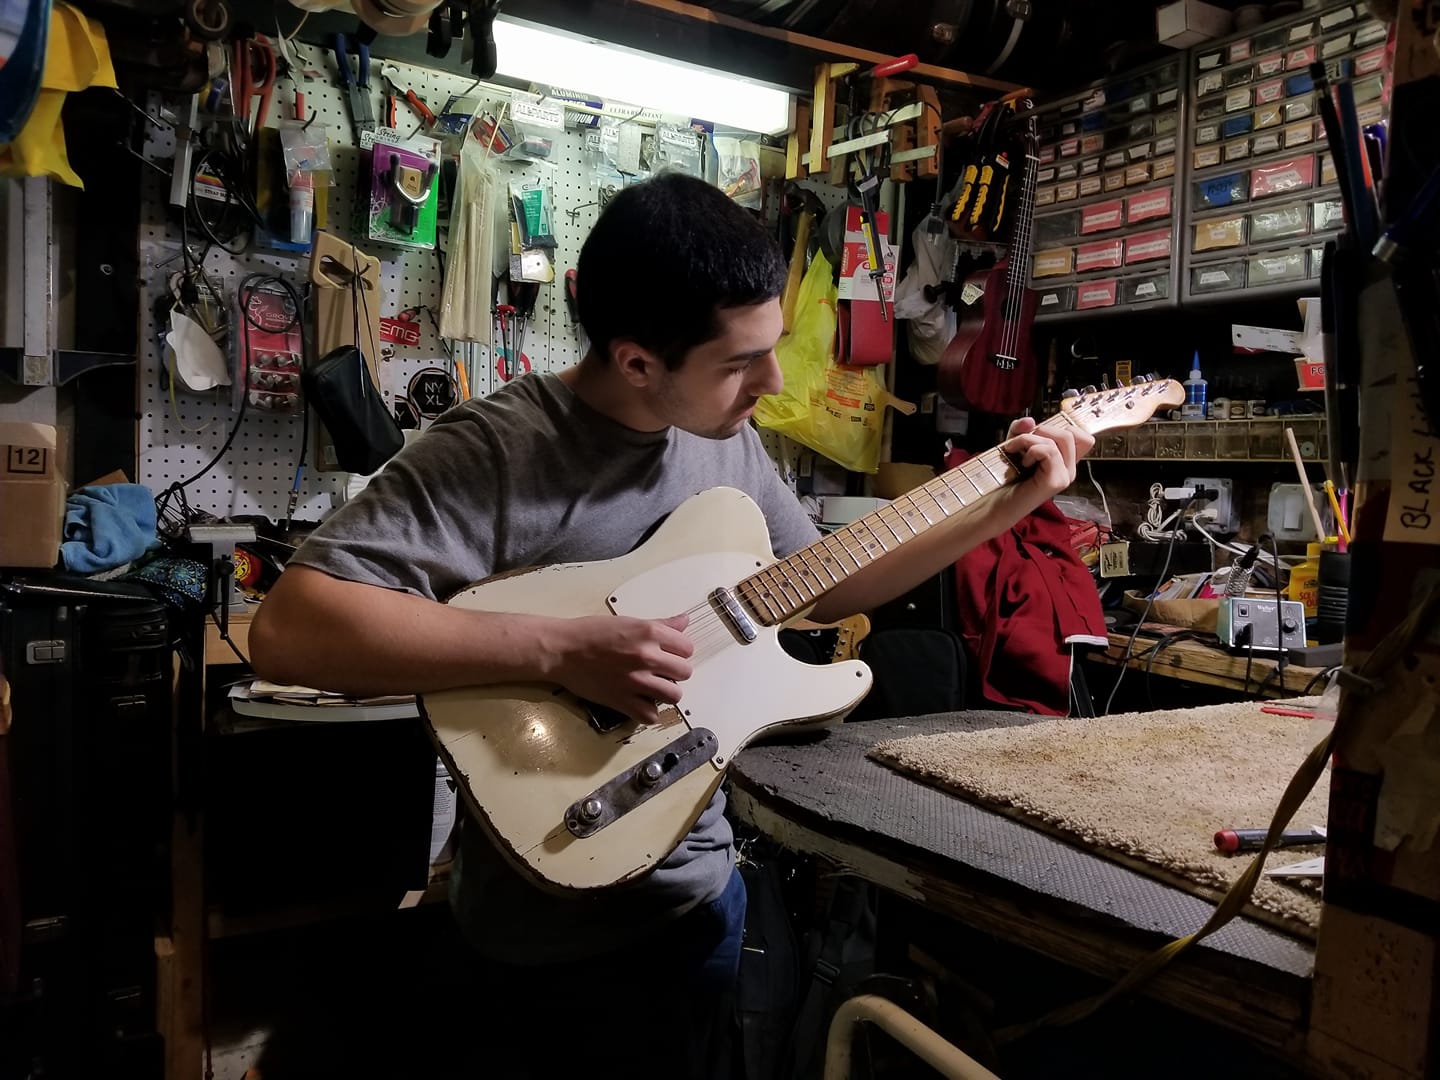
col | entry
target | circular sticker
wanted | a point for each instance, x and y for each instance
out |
(431, 392)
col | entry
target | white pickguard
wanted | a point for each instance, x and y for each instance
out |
(525, 753)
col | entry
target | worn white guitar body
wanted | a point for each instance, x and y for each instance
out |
(580, 800)
(526, 754)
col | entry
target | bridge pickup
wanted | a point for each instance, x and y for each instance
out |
(729, 609)
(616, 798)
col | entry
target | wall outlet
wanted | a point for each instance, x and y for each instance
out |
(1226, 519)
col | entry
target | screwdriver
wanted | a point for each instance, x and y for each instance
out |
(1233, 840)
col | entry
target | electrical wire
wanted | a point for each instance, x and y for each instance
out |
(175, 493)
(1149, 601)
(1327, 675)
(1279, 612)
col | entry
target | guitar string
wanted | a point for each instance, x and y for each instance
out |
(1010, 335)
(710, 633)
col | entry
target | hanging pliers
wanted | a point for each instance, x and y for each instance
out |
(357, 84)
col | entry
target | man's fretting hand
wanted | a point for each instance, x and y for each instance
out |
(1051, 452)
(625, 664)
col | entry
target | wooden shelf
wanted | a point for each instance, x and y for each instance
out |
(1197, 662)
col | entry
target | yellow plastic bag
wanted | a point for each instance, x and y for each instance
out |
(834, 410)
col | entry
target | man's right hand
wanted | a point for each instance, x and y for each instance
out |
(626, 664)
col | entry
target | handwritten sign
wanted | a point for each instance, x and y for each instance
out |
(1115, 560)
(1414, 513)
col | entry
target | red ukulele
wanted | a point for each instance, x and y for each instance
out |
(989, 365)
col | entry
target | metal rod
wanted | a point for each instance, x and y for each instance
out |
(921, 1040)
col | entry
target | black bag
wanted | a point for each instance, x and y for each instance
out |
(364, 432)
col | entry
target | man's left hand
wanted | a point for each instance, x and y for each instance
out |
(1052, 452)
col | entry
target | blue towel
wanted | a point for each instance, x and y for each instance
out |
(107, 526)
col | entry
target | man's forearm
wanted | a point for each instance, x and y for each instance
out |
(314, 630)
(919, 559)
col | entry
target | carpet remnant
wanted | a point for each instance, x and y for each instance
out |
(1146, 789)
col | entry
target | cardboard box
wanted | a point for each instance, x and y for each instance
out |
(32, 495)
(1188, 22)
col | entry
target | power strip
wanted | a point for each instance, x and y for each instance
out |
(1267, 634)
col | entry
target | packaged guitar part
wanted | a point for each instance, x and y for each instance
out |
(1095, 294)
(1147, 246)
(270, 350)
(1217, 277)
(1327, 170)
(400, 185)
(1066, 192)
(1053, 263)
(1163, 168)
(1137, 174)
(1207, 133)
(1044, 196)
(1113, 181)
(1278, 222)
(1236, 100)
(1299, 83)
(1089, 185)
(1220, 233)
(1268, 116)
(1238, 50)
(1272, 269)
(1140, 290)
(1238, 150)
(1205, 157)
(1221, 190)
(1368, 62)
(1339, 17)
(1296, 174)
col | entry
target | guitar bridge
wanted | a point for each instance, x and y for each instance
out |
(616, 798)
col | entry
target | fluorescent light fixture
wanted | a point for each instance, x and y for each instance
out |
(542, 55)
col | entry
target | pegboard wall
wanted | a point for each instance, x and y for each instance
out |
(177, 438)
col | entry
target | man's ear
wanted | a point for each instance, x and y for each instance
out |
(637, 365)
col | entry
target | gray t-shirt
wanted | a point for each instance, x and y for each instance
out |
(529, 476)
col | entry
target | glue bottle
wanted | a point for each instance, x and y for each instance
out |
(1194, 392)
(1305, 581)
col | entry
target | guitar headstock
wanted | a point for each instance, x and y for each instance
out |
(1121, 407)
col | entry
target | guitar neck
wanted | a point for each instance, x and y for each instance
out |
(789, 586)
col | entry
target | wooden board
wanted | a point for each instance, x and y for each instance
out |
(1197, 662)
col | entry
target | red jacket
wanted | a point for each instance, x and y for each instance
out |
(1024, 600)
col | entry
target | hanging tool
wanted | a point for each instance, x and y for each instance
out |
(505, 357)
(572, 296)
(252, 75)
(390, 73)
(356, 82)
(292, 69)
(865, 189)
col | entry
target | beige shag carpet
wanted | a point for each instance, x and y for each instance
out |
(1146, 789)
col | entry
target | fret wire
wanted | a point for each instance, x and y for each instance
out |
(981, 458)
(876, 537)
(756, 598)
(784, 583)
(826, 543)
(846, 548)
(938, 504)
(949, 486)
(904, 520)
(820, 563)
(966, 470)
(921, 510)
(880, 517)
(818, 587)
(775, 590)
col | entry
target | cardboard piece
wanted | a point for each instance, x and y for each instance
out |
(32, 491)
(1189, 22)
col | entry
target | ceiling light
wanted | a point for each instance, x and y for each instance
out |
(554, 58)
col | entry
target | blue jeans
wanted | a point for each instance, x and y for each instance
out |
(661, 1008)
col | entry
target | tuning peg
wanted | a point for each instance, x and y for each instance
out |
(1088, 390)
(1143, 378)
(1069, 395)
(1104, 383)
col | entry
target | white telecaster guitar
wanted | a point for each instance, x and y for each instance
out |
(581, 798)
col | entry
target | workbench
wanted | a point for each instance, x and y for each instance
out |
(824, 798)
(1209, 664)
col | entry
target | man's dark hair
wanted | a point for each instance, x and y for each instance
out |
(665, 256)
